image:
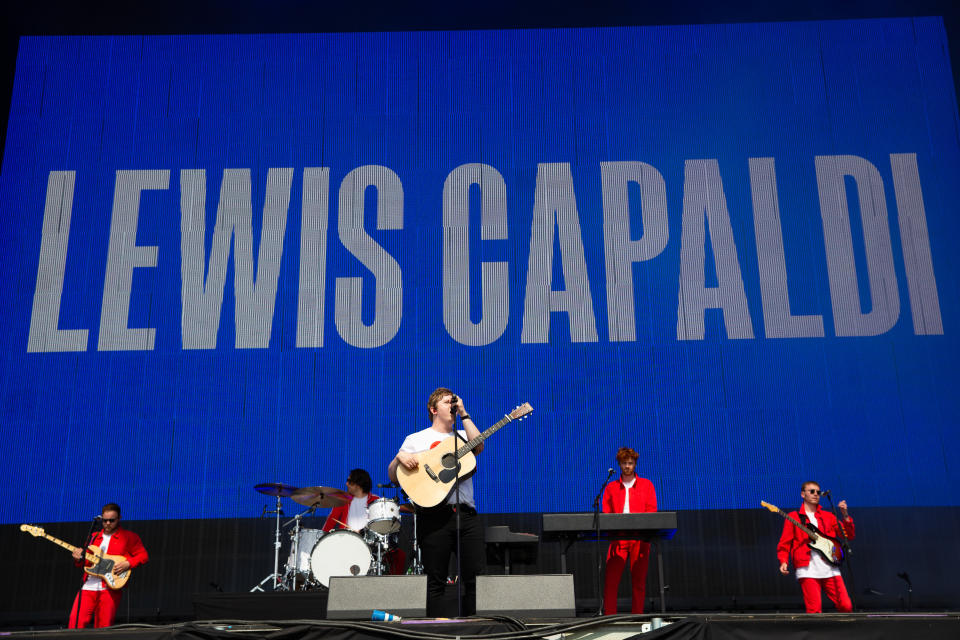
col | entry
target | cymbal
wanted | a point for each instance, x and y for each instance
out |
(322, 497)
(276, 489)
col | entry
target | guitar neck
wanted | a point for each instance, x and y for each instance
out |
(471, 444)
(58, 541)
(802, 527)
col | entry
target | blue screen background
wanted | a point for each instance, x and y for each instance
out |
(719, 422)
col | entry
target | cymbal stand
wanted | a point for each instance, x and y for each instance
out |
(416, 565)
(275, 577)
(381, 541)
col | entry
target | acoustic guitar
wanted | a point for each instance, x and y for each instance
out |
(103, 563)
(432, 481)
(828, 547)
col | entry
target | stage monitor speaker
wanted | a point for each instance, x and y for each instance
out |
(535, 596)
(356, 597)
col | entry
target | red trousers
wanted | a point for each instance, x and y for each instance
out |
(618, 553)
(835, 589)
(100, 607)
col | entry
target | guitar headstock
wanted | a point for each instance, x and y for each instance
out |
(35, 531)
(771, 507)
(521, 412)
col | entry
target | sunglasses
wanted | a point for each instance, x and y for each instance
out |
(109, 520)
(814, 491)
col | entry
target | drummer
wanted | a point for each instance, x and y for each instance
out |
(353, 514)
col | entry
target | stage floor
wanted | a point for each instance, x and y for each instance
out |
(916, 626)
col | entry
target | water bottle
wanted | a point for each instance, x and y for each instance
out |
(386, 617)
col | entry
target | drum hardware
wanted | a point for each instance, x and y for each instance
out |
(315, 556)
(401, 500)
(277, 490)
(380, 544)
(416, 564)
(297, 569)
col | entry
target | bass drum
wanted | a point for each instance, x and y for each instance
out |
(340, 553)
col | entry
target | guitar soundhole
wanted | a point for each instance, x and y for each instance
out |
(449, 461)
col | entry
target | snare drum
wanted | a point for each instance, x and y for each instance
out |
(340, 553)
(383, 516)
(308, 539)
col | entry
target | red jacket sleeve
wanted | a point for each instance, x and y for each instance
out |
(607, 505)
(337, 513)
(848, 529)
(649, 499)
(133, 549)
(786, 544)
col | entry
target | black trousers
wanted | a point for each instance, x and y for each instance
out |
(437, 536)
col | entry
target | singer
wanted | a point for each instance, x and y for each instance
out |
(813, 572)
(95, 601)
(437, 526)
(627, 494)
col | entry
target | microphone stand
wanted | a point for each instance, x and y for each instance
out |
(456, 488)
(847, 551)
(83, 560)
(596, 549)
(906, 578)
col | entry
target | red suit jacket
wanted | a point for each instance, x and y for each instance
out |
(793, 541)
(342, 512)
(643, 497)
(123, 543)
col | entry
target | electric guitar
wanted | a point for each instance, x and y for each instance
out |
(103, 563)
(432, 481)
(828, 547)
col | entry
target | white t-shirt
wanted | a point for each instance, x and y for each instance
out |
(357, 516)
(818, 567)
(94, 583)
(427, 439)
(626, 496)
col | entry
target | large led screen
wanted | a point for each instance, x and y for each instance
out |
(238, 259)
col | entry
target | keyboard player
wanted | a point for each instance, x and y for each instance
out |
(627, 494)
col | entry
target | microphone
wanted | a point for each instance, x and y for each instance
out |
(97, 518)
(609, 472)
(825, 493)
(454, 401)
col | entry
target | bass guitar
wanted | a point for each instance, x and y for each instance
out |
(828, 547)
(103, 563)
(438, 469)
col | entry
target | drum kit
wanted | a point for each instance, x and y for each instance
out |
(315, 556)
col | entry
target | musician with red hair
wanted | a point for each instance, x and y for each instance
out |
(627, 494)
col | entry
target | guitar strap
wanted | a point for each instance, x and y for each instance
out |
(804, 520)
